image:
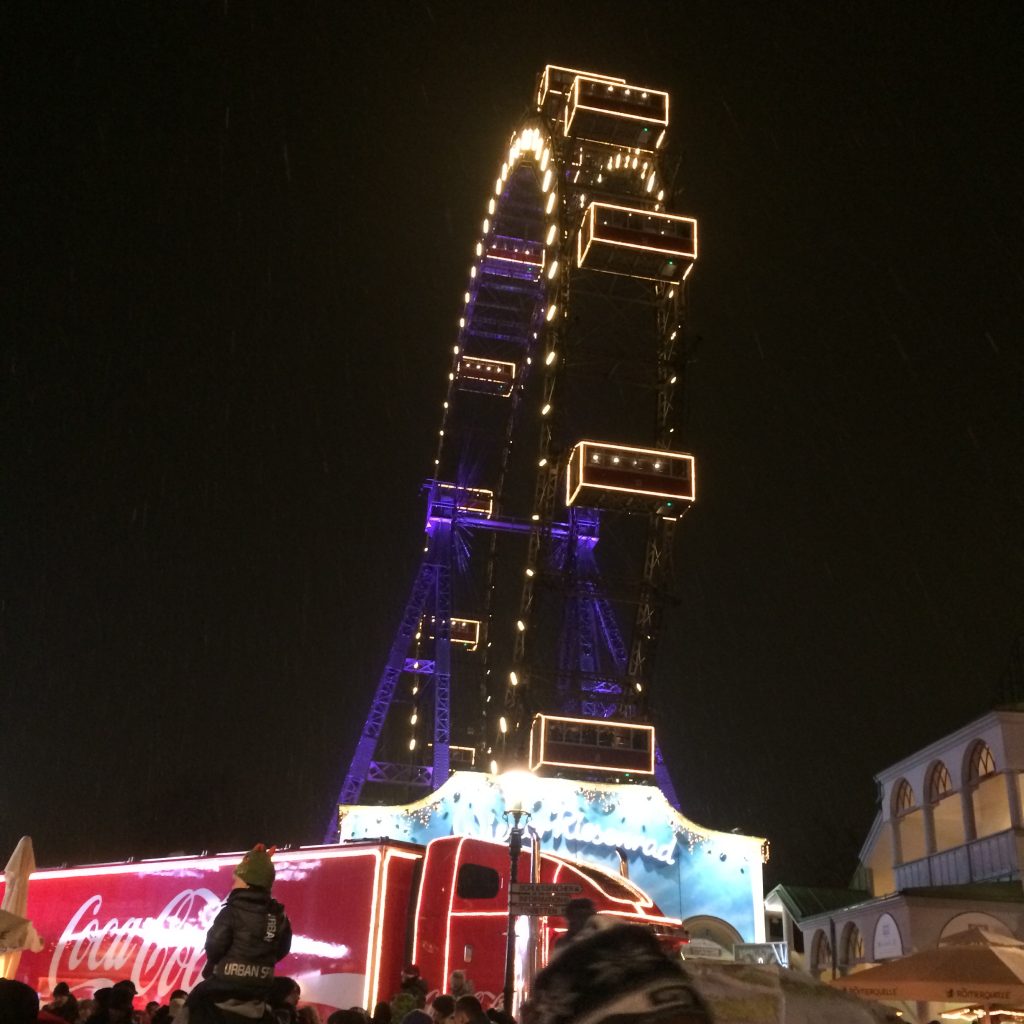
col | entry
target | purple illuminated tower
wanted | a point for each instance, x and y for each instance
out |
(555, 453)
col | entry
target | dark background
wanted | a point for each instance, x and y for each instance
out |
(236, 241)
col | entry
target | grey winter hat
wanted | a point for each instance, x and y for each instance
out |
(614, 975)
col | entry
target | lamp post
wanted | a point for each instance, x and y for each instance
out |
(515, 845)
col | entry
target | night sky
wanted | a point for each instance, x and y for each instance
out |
(236, 240)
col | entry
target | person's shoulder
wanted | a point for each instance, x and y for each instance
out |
(251, 899)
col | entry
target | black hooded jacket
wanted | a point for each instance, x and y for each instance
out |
(249, 935)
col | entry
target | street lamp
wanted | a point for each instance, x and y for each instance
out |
(518, 818)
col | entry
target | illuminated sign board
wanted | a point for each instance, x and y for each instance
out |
(686, 869)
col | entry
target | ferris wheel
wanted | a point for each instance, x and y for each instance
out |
(556, 481)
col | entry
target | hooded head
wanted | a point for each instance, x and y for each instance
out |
(257, 869)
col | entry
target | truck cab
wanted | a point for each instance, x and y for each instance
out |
(461, 914)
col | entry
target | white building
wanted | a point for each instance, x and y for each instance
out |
(946, 850)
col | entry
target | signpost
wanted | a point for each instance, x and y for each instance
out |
(540, 899)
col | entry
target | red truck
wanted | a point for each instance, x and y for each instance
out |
(359, 912)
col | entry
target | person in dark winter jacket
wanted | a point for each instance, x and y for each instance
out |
(249, 935)
(251, 932)
(411, 994)
(577, 913)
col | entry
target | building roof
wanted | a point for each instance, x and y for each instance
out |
(806, 900)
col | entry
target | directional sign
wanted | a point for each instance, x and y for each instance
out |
(566, 890)
(537, 910)
(540, 899)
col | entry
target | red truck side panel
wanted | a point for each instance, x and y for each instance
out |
(348, 906)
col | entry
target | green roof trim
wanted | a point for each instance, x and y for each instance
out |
(807, 900)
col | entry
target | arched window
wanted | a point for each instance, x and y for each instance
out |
(987, 790)
(852, 946)
(939, 782)
(902, 798)
(944, 806)
(980, 762)
(821, 953)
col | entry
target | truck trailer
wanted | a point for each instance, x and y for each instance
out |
(360, 911)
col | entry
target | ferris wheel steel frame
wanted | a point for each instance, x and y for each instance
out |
(589, 162)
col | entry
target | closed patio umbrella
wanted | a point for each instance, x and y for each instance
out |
(17, 933)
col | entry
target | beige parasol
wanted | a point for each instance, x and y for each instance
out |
(973, 966)
(16, 932)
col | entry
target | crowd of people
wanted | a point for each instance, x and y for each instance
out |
(20, 1004)
(457, 1005)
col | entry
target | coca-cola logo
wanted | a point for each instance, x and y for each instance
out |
(159, 953)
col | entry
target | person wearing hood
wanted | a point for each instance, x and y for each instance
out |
(251, 932)
(249, 935)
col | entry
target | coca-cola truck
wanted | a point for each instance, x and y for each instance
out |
(359, 912)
